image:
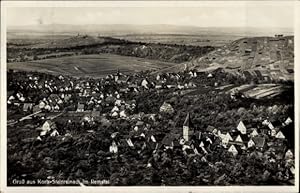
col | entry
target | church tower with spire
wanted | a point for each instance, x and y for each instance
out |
(188, 131)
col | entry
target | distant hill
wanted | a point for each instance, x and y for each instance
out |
(72, 42)
(68, 42)
(125, 29)
(271, 57)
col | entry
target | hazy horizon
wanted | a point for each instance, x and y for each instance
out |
(250, 15)
(128, 24)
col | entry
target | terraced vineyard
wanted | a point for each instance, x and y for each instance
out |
(254, 91)
(261, 57)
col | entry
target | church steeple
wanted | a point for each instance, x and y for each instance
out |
(187, 120)
(187, 128)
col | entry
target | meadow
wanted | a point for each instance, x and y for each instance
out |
(96, 66)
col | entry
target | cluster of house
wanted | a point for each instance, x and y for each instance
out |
(110, 92)
(35, 94)
(52, 103)
(16, 100)
(238, 141)
(160, 81)
(241, 138)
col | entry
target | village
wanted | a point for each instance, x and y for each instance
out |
(147, 129)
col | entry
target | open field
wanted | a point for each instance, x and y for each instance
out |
(89, 65)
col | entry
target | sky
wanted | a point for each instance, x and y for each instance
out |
(252, 15)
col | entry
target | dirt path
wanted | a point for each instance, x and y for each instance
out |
(28, 116)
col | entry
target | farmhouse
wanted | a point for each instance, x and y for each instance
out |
(280, 135)
(46, 127)
(254, 133)
(27, 106)
(242, 128)
(288, 121)
(145, 83)
(113, 148)
(80, 107)
(233, 149)
(250, 143)
(166, 108)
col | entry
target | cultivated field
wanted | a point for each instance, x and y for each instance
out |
(89, 65)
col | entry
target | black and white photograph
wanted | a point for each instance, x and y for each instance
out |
(149, 94)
